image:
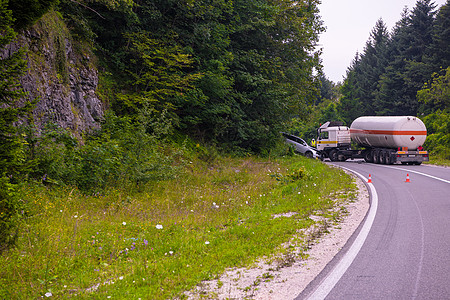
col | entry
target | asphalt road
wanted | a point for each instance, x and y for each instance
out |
(402, 249)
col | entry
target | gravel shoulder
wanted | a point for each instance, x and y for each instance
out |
(286, 276)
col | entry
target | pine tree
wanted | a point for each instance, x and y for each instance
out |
(439, 53)
(12, 66)
(350, 106)
(407, 70)
(361, 86)
(373, 64)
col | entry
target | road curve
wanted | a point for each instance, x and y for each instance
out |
(406, 252)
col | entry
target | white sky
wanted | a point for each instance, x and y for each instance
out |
(348, 25)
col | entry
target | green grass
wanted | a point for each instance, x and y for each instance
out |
(167, 238)
(438, 160)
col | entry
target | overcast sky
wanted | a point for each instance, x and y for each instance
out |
(348, 25)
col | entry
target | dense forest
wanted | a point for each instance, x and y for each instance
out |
(183, 75)
(174, 76)
(403, 72)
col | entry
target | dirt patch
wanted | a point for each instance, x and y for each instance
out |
(286, 276)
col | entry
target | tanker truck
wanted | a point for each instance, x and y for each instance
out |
(381, 140)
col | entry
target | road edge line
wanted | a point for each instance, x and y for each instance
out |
(417, 172)
(335, 275)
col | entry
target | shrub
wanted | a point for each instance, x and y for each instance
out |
(10, 213)
(123, 153)
(438, 139)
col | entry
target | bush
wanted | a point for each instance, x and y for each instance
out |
(438, 139)
(123, 153)
(10, 213)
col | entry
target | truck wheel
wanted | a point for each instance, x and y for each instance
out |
(375, 157)
(368, 156)
(333, 155)
(382, 157)
(388, 158)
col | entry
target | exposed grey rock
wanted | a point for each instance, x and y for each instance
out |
(64, 79)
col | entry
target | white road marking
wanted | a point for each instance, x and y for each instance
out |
(335, 275)
(422, 248)
(420, 173)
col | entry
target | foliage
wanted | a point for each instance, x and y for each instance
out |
(157, 73)
(124, 152)
(385, 78)
(437, 95)
(12, 155)
(228, 72)
(11, 209)
(27, 12)
(438, 139)
(326, 107)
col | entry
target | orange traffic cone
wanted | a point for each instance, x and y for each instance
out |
(407, 178)
(370, 179)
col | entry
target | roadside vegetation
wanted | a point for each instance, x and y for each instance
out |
(165, 237)
(186, 171)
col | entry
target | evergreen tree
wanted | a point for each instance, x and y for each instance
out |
(391, 83)
(12, 66)
(350, 106)
(361, 87)
(439, 52)
(407, 70)
(372, 65)
(26, 12)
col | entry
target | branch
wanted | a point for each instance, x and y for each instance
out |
(85, 6)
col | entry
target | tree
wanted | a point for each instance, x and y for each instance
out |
(360, 88)
(373, 64)
(26, 12)
(436, 96)
(157, 73)
(439, 53)
(349, 104)
(12, 67)
(408, 69)
(256, 59)
(391, 83)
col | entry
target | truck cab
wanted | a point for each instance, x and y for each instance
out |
(333, 135)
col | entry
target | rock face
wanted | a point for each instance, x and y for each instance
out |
(63, 75)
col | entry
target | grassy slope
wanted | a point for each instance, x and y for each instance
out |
(436, 160)
(212, 217)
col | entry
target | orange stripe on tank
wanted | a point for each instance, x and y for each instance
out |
(390, 132)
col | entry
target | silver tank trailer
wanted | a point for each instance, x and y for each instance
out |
(389, 132)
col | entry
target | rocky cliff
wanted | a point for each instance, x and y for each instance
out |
(62, 74)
